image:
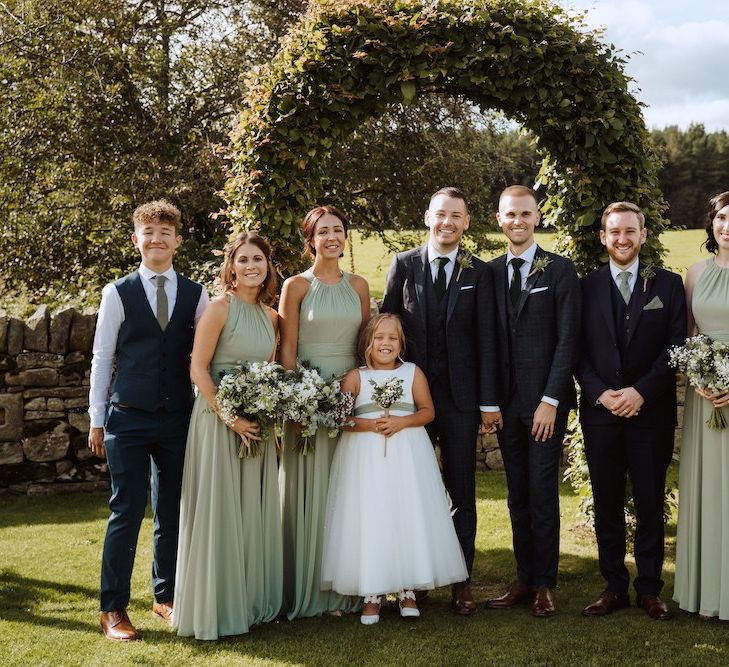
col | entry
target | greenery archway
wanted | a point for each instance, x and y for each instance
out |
(349, 60)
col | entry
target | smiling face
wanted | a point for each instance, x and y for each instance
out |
(446, 218)
(156, 242)
(329, 237)
(518, 217)
(386, 344)
(623, 237)
(250, 266)
(720, 228)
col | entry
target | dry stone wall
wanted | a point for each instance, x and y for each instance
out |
(44, 392)
(44, 398)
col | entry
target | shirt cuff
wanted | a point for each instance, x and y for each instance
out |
(489, 408)
(551, 401)
(97, 416)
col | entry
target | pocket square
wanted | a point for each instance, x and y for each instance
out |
(536, 290)
(466, 287)
(654, 304)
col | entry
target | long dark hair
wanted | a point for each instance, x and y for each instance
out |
(308, 225)
(267, 290)
(716, 203)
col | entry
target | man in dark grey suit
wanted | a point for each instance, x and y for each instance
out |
(538, 306)
(634, 313)
(445, 300)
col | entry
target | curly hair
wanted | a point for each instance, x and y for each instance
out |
(159, 211)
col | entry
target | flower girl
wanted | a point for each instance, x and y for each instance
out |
(388, 527)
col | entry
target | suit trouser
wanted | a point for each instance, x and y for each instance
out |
(137, 443)
(457, 431)
(532, 476)
(614, 451)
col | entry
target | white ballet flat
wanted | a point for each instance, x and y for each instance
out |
(407, 612)
(371, 619)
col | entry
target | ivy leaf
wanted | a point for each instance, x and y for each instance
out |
(407, 88)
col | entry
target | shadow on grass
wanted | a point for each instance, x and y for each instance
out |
(21, 596)
(56, 510)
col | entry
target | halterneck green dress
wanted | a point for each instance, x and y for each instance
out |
(230, 554)
(702, 544)
(329, 322)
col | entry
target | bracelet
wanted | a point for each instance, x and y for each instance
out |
(228, 421)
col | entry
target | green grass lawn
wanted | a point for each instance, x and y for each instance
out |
(372, 258)
(49, 571)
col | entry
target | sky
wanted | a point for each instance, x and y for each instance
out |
(679, 55)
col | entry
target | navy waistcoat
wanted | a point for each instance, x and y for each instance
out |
(153, 366)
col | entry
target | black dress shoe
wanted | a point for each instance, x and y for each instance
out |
(654, 607)
(544, 604)
(607, 603)
(518, 592)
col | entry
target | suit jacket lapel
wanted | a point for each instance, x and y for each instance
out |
(531, 283)
(605, 299)
(455, 287)
(641, 293)
(420, 273)
(500, 287)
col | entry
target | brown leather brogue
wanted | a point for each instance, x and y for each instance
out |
(116, 626)
(163, 610)
(654, 607)
(544, 604)
(517, 592)
(607, 603)
(462, 599)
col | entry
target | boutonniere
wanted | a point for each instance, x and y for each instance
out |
(465, 261)
(539, 265)
(647, 273)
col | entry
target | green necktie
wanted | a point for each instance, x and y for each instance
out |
(624, 286)
(162, 315)
(440, 278)
(515, 285)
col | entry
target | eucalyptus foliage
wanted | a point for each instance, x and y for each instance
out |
(349, 61)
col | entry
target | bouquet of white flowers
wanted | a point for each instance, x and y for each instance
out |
(256, 391)
(386, 395)
(314, 402)
(706, 364)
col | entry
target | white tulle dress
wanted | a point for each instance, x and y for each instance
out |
(388, 526)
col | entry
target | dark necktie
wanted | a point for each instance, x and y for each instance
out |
(440, 278)
(162, 314)
(515, 285)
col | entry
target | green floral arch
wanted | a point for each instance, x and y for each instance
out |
(350, 60)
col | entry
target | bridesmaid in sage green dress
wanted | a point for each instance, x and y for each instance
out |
(321, 312)
(702, 545)
(230, 554)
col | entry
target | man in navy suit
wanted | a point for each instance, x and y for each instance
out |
(445, 300)
(139, 418)
(538, 305)
(632, 315)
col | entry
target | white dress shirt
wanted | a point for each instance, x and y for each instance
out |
(108, 323)
(525, 269)
(615, 271)
(433, 255)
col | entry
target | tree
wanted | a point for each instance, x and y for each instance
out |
(106, 105)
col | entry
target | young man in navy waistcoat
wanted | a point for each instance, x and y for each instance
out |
(139, 418)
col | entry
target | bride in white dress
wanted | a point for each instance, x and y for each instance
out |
(388, 526)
